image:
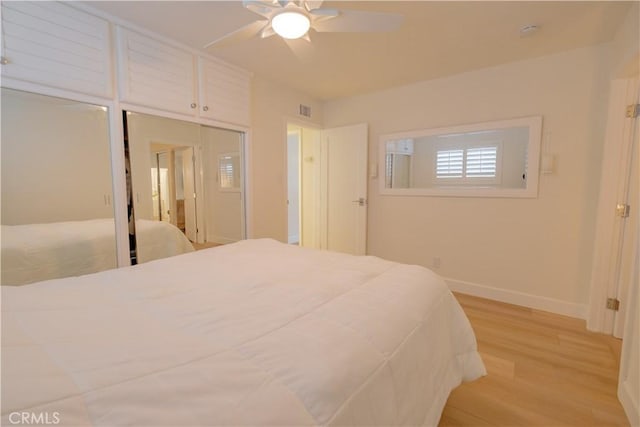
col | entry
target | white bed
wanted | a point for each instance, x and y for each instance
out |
(252, 333)
(35, 252)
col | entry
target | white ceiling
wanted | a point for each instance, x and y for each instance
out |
(436, 39)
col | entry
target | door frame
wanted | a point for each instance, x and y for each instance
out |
(614, 182)
(309, 127)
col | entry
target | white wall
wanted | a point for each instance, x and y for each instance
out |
(55, 160)
(533, 249)
(272, 106)
(626, 45)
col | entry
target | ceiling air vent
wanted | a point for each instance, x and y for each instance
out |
(305, 110)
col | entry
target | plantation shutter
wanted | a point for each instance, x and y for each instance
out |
(449, 163)
(481, 162)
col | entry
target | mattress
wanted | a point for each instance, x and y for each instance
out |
(252, 333)
(35, 252)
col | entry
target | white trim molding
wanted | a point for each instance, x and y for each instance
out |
(628, 379)
(609, 233)
(518, 298)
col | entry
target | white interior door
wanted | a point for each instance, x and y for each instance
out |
(345, 188)
(629, 235)
(188, 172)
(609, 277)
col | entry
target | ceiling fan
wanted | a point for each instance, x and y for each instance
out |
(292, 20)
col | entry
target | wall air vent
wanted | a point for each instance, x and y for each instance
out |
(305, 110)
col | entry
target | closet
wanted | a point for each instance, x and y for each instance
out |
(74, 57)
(199, 168)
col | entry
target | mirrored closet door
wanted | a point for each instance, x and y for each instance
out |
(187, 186)
(57, 202)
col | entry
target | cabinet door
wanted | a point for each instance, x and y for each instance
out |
(224, 92)
(56, 45)
(155, 74)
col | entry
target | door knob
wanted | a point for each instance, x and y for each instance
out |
(361, 201)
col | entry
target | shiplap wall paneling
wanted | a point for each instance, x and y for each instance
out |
(155, 74)
(224, 92)
(56, 45)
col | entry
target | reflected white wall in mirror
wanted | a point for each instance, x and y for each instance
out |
(493, 159)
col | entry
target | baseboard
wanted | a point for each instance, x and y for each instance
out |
(629, 404)
(519, 298)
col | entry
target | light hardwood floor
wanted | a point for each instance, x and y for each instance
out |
(543, 370)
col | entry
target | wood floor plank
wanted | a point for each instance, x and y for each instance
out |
(543, 370)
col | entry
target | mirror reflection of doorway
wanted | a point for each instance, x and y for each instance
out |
(172, 182)
(188, 176)
(160, 187)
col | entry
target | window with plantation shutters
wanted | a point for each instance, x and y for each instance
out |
(481, 162)
(229, 172)
(468, 164)
(450, 164)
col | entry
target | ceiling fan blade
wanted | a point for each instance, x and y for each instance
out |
(311, 4)
(267, 31)
(239, 35)
(355, 21)
(264, 8)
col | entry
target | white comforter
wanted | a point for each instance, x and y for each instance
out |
(34, 252)
(257, 332)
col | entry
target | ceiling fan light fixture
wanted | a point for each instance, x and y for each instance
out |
(290, 25)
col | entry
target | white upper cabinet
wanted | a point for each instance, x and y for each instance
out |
(224, 92)
(155, 74)
(56, 45)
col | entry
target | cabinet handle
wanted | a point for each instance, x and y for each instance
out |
(193, 105)
(205, 108)
(4, 60)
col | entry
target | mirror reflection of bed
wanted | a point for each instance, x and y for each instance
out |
(57, 200)
(57, 191)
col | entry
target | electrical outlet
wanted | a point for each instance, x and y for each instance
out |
(436, 262)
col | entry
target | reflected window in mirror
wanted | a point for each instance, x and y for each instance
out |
(496, 159)
(229, 171)
(57, 201)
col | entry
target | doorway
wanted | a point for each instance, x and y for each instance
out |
(327, 187)
(173, 185)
